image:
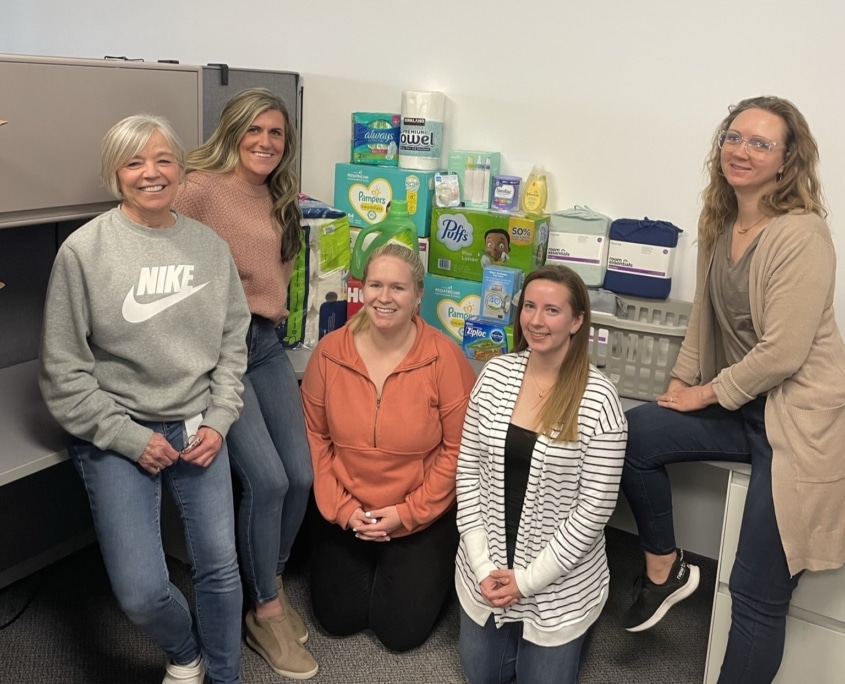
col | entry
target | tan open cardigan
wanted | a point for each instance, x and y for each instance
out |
(800, 361)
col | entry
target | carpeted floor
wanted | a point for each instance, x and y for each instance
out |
(74, 633)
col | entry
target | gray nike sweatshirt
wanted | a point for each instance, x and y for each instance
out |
(142, 324)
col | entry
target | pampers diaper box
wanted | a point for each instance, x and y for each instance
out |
(364, 193)
(448, 302)
(465, 241)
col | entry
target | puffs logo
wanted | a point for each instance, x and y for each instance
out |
(454, 231)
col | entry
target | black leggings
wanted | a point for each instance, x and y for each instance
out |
(397, 588)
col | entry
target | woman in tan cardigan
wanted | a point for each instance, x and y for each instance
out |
(760, 380)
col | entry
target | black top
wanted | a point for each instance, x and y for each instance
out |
(519, 445)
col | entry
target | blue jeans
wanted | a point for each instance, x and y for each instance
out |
(491, 655)
(126, 507)
(760, 584)
(269, 453)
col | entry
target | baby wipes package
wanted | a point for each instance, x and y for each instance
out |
(375, 138)
(317, 292)
(448, 302)
(365, 193)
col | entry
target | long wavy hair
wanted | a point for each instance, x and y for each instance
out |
(561, 409)
(797, 189)
(219, 154)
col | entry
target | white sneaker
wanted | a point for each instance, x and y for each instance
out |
(192, 673)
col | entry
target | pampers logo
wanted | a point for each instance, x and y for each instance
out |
(452, 314)
(454, 231)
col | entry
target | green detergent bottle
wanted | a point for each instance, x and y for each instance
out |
(396, 227)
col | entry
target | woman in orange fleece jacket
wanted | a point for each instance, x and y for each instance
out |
(384, 401)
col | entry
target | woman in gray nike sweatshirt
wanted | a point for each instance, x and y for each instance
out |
(142, 357)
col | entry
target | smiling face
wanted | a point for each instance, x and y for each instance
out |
(260, 150)
(148, 183)
(547, 320)
(754, 174)
(496, 245)
(390, 296)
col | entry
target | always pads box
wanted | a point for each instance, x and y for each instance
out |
(375, 138)
(364, 193)
(465, 241)
(448, 302)
(484, 340)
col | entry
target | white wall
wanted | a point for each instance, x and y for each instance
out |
(617, 99)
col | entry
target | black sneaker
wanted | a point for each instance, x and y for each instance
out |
(652, 601)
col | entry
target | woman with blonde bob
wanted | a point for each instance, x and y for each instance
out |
(384, 401)
(538, 475)
(760, 380)
(243, 184)
(142, 356)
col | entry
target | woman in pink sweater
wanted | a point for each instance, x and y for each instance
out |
(385, 398)
(243, 184)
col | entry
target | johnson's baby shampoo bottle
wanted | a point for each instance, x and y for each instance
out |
(396, 227)
(535, 195)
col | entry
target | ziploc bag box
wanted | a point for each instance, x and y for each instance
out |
(465, 241)
(375, 138)
(483, 340)
(448, 302)
(365, 192)
(499, 288)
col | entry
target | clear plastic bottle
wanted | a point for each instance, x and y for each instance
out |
(535, 195)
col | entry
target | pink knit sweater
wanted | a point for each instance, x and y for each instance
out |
(240, 213)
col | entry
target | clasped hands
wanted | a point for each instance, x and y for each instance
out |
(499, 589)
(375, 525)
(159, 454)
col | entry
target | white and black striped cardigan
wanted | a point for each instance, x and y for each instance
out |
(560, 563)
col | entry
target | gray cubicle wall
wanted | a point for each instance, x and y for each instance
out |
(58, 111)
(220, 83)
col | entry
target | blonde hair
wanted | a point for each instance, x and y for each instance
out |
(127, 138)
(359, 321)
(797, 189)
(220, 154)
(561, 409)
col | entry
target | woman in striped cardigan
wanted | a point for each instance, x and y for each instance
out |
(538, 475)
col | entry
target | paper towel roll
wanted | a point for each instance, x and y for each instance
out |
(421, 130)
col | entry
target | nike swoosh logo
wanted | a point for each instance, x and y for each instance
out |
(134, 312)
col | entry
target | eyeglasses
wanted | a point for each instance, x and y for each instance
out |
(753, 145)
